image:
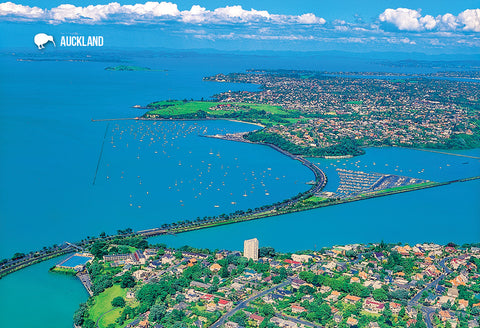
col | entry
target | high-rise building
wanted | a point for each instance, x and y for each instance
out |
(250, 249)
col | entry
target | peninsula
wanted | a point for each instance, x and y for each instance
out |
(319, 114)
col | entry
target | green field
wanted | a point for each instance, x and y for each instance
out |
(315, 199)
(175, 108)
(103, 303)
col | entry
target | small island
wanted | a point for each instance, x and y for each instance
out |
(127, 68)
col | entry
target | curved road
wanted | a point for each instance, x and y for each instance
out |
(428, 311)
(244, 304)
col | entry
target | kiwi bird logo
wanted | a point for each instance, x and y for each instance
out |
(41, 39)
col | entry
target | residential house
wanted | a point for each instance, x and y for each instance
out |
(211, 307)
(351, 299)
(297, 283)
(462, 304)
(297, 309)
(224, 305)
(395, 308)
(215, 267)
(256, 318)
(333, 297)
(373, 306)
(352, 321)
(444, 315)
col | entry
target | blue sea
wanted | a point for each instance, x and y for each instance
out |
(150, 173)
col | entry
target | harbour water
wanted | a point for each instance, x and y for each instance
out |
(152, 173)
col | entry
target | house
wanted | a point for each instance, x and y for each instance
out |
(411, 322)
(200, 285)
(325, 289)
(155, 264)
(206, 297)
(373, 306)
(352, 299)
(354, 279)
(352, 321)
(297, 309)
(395, 308)
(140, 274)
(337, 317)
(211, 307)
(297, 283)
(215, 267)
(444, 315)
(301, 257)
(258, 319)
(231, 324)
(462, 304)
(191, 296)
(167, 259)
(452, 292)
(224, 305)
(333, 297)
(308, 298)
(237, 286)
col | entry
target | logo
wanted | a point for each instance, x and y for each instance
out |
(41, 39)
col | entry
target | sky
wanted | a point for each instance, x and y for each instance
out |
(424, 26)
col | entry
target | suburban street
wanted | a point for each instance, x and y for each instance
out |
(244, 303)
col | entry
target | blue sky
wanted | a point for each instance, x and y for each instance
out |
(313, 25)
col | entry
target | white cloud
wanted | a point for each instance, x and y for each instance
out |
(151, 12)
(310, 19)
(412, 20)
(471, 19)
(10, 8)
(405, 19)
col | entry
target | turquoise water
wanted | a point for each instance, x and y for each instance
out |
(440, 215)
(34, 297)
(151, 173)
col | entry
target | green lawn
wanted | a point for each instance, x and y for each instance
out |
(172, 108)
(414, 186)
(315, 199)
(109, 318)
(103, 303)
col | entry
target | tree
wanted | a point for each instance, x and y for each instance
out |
(79, 315)
(118, 302)
(127, 281)
(266, 252)
(267, 310)
(157, 312)
(380, 295)
(88, 323)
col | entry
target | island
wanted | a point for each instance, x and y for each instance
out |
(379, 285)
(127, 68)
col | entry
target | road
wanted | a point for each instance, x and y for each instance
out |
(427, 310)
(244, 303)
